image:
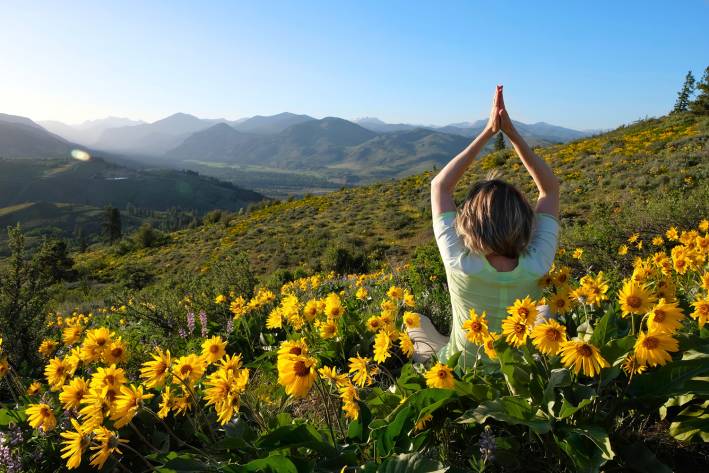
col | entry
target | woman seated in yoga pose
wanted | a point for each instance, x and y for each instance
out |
(495, 247)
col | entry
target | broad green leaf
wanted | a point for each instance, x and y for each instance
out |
(511, 409)
(410, 379)
(615, 350)
(588, 447)
(272, 464)
(402, 420)
(358, 429)
(559, 378)
(10, 416)
(568, 409)
(599, 437)
(294, 436)
(686, 376)
(581, 451)
(693, 420)
(604, 329)
(453, 360)
(174, 462)
(676, 401)
(410, 463)
(514, 368)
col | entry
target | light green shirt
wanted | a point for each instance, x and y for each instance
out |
(474, 284)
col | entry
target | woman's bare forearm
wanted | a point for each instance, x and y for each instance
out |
(449, 176)
(547, 183)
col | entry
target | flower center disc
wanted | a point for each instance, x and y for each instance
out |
(634, 302)
(300, 369)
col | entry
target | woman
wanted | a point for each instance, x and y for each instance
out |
(495, 247)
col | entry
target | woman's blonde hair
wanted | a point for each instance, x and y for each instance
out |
(495, 218)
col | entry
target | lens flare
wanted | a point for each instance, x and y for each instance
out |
(80, 154)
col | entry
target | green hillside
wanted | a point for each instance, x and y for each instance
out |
(98, 182)
(640, 176)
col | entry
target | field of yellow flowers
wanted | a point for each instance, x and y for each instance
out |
(320, 377)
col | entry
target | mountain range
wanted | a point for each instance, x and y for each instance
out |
(332, 150)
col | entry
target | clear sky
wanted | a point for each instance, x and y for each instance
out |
(582, 64)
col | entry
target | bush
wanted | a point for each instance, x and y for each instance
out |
(344, 258)
(148, 237)
(23, 299)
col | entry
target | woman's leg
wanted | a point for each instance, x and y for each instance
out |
(427, 340)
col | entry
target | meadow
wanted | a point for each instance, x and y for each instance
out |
(275, 340)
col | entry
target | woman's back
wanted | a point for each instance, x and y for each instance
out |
(475, 284)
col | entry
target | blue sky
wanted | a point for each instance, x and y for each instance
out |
(590, 64)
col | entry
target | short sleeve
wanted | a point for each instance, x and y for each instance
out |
(543, 244)
(450, 245)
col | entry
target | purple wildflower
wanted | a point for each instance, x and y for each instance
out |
(9, 462)
(203, 322)
(190, 322)
(487, 445)
(229, 326)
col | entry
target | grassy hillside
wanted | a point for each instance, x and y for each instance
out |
(98, 183)
(642, 175)
(81, 224)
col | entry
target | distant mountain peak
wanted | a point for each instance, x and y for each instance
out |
(370, 121)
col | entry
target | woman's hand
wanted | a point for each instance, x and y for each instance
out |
(494, 122)
(505, 122)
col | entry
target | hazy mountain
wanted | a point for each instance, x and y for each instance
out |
(402, 153)
(269, 124)
(153, 138)
(329, 146)
(375, 124)
(17, 120)
(88, 132)
(536, 133)
(23, 138)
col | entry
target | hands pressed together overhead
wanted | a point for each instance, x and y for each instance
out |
(499, 118)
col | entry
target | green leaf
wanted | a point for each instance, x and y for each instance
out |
(604, 329)
(510, 409)
(559, 378)
(581, 452)
(588, 447)
(615, 350)
(453, 360)
(568, 409)
(638, 457)
(410, 379)
(358, 429)
(395, 433)
(513, 368)
(12, 416)
(410, 463)
(272, 464)
(685, 376)
(174, 462)
(693, 420)
(294, 436)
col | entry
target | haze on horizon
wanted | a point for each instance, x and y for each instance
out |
(578, 65)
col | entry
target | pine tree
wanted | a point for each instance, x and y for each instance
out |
(112, 227)
(684, 96)
(499, 142)
(700, 105)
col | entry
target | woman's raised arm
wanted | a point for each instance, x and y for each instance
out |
(547, 183)
(443, 184)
